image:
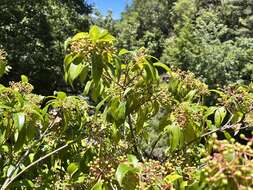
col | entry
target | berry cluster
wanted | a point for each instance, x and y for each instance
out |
(230, 166)
(191, 82)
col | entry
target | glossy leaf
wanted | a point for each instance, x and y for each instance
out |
(122, 171)
(219, 116)
(19, 120)
(72, 168)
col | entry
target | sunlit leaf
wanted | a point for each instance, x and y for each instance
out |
(219, 116)
(72, 168)
(19, 120)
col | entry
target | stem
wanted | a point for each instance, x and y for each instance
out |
(155, 143)
(32, 164)
(23, 157)
(134, 138)
(214, 131)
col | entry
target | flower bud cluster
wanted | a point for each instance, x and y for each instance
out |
(85, 47)
(140, 55)
(21, 87)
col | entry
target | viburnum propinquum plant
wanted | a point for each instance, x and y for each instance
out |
(143, 113)
(137, 125)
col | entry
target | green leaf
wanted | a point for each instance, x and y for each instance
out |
(66, 43)
(176, 136)
(162, 65)
(210, 111)
(2, 136)
(80, 35)
(227, 135)
(133, 160)
(98, 185)
(61, 95)
(2, 68)
(101, 103)
(87, 88)
(219, 116)
(237, 117)
(72, 168)
(172, 177)
(84, 73)
(191, 95)
(97, 68)
(150, 71)
(140, 121)
(10, 170)
(74, 71)
(19, 120)
(20, 138)
(106, 37)
(121, 111)
(94, 33)
(68, 60)
(123, 52)
(122, 171)
(24, 78)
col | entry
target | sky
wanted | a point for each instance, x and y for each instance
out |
(116, 6)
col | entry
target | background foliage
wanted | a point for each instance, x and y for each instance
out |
(33, 32)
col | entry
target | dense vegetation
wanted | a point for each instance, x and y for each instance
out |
(131, 121)
(33, 33)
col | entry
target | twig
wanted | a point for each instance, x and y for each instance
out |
(155, 143)
(23, 157)
(214, 131)
(32, 164)
(134, 138)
